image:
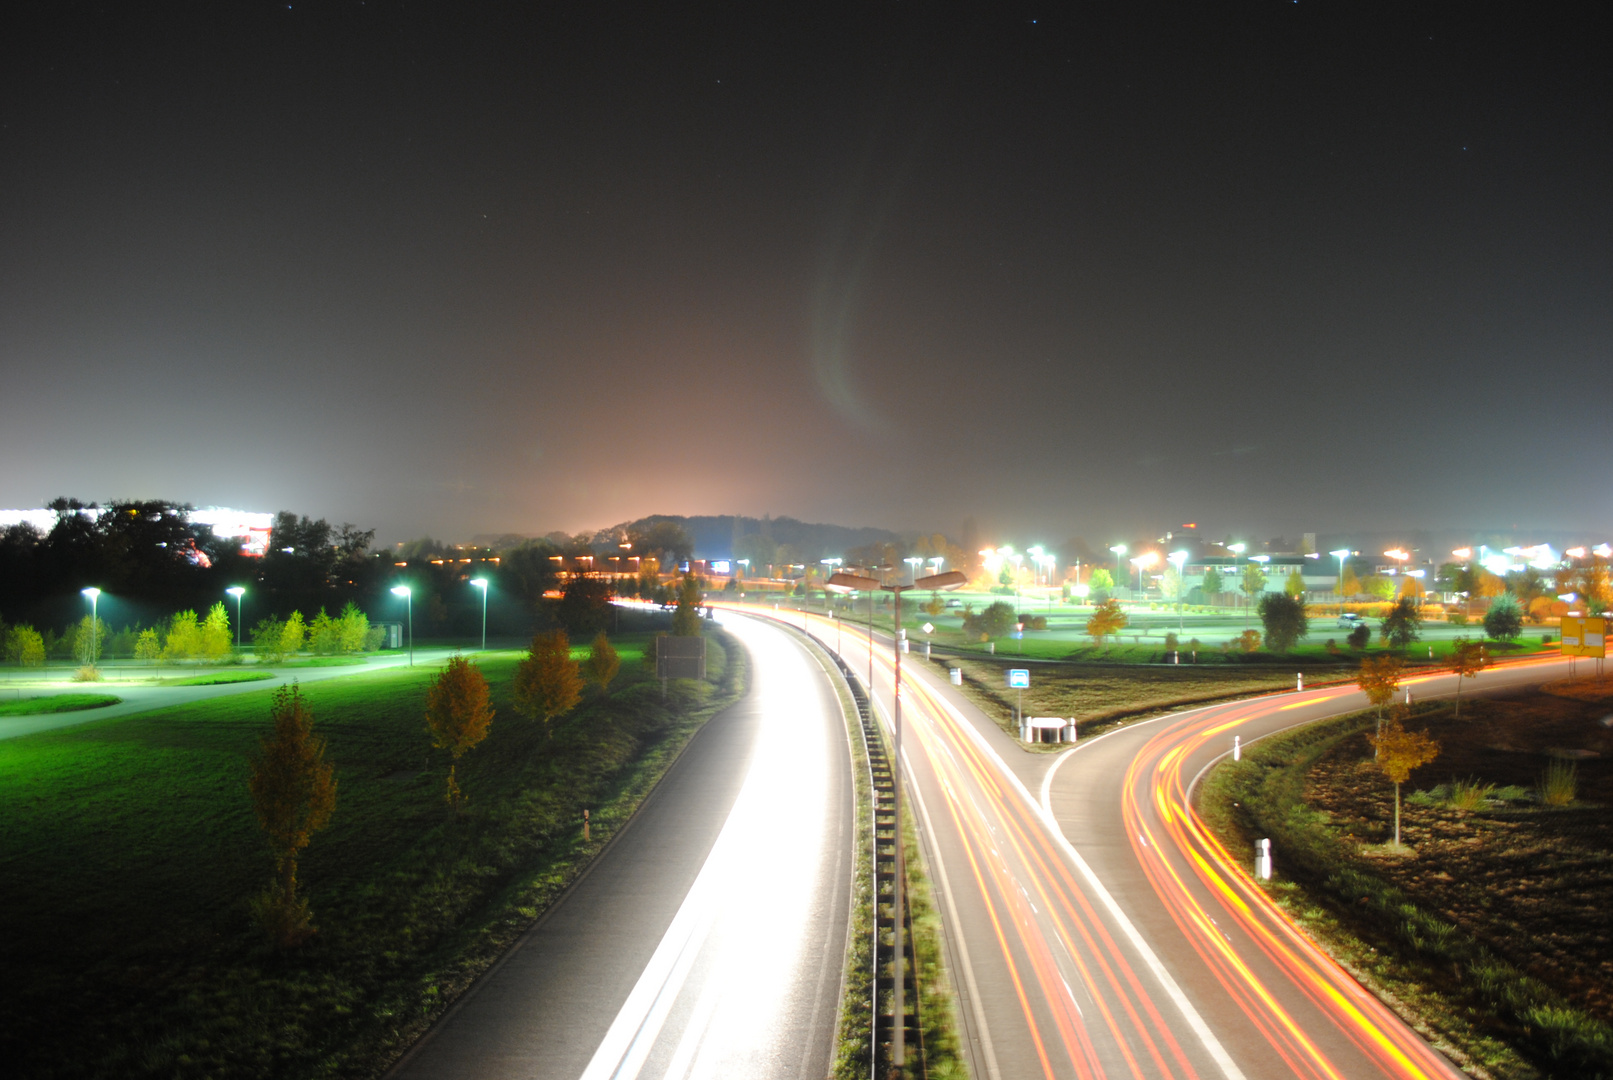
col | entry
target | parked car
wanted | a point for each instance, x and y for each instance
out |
(1350, 620)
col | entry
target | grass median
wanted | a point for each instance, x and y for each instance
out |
(56, 703)
(131, 851)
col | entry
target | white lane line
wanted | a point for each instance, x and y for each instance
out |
(986, 1049)
(1212, 1045)
(767, 846)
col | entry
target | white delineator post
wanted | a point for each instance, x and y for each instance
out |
(1299, 681)
(1263, 860)
(1237, 748)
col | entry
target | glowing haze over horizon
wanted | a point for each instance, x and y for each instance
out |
(473, 269)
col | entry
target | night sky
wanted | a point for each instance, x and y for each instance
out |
(467, 268)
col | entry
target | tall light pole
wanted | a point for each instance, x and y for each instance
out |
(936, 564)
(934, 583)
(95, 623)
(408, 594)
(913, 563)
(1237, 551)
(1338, 588)
(1147, 558)
(1177, 559)
(481, 583)
(237, 592)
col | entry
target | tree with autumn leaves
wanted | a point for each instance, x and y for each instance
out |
(547, 682)
(458, 716)
(1399, 752)
(294, 794)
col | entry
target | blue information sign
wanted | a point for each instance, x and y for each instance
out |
(1018, 678)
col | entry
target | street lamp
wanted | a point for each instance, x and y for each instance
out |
(1035, 552)
(1177, 558)
(95, 623)
(913, 562)
(936, 564)
(1338, 588)
(237, 592)
(481, 583)
(934, 583)
(1147, 558)
(408, 594)
(1237, 550)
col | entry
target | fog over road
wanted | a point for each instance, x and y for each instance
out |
(708, 939)
(1096, 929)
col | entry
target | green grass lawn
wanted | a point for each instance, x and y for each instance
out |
(131, 850)
(219, 678)
(56, 703)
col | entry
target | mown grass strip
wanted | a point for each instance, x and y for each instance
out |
(56, 703)
(1484, 1011)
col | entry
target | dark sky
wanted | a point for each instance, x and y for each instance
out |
(466, 268)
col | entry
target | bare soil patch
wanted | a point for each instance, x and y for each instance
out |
(1531, 882)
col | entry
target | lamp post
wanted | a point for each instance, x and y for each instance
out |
(481, 583)
(95, 623)
(913, 563)
(1147, 558)
(1177, 559)
(1338, 589)
(237, 592)
(934, 583)
(408, 594)
(1237, 551)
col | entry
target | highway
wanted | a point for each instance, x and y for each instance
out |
(708, 939)
(1096, 929)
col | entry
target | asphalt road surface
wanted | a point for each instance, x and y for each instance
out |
(708, 939)
(1095, 929)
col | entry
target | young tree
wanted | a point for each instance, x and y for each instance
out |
(184, 637)
(1294, 586)
(1504, 620)
(147, 647)
(1106, 622)
(293, 634)
(1283, 616)
(214, 637)
(25, 647)
(603, 662)
(266, 639)
(458, 716)
(1170, 583)
(1379, 587)
(324, 636)
(1358, 638)
(1378, 680)
(1399, 752)
(1212, 585)
(294, 794)
(352, 629)
(1349, 585)
(1401, 626)
(89, 640)
(547, 682)
(1468, 658)
(1254, 581)
(1249, 640)
(686, 619)
(1100, 585)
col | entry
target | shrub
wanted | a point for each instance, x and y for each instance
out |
(1559, 784)
(1470, 794)
(1249, 640)
(1456, 618)
(1504, 620)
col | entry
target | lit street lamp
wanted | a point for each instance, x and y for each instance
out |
(934, 583)
(408, 594)
(481, 583)
(1147, 558)
(1177, 558)
(95, 623)
(913, 563)
(237, 592)
(1338, 588)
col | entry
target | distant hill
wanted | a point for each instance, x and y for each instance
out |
(714, 536)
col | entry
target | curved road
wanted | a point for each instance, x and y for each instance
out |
(1096, 929)
(708, 939)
